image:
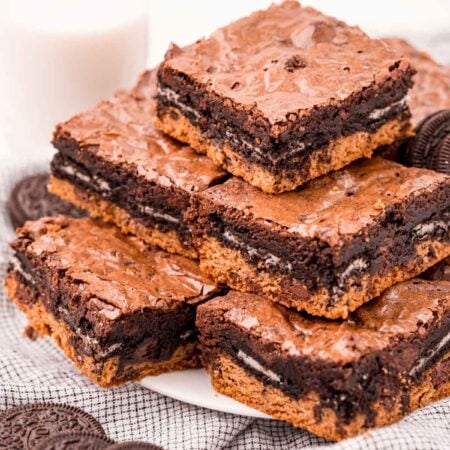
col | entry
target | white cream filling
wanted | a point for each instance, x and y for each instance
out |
(424, 230)
(431, 354)
(174, 97)
(186, 334)
(17, 266)
(381, 112)
(269, 259)
(100, 182)
(357, 265)
(151, 212)
(255, 365)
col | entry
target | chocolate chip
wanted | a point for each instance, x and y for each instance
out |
(294, 63)
(30, 200)
(235, 85)
(75, 441)
(26, 426)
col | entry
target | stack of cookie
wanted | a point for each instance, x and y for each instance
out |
(243, 151)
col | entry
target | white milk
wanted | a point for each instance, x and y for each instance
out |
(59, 57)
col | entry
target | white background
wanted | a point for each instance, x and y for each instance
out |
(426, 23)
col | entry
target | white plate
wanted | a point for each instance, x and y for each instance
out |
(193, 386)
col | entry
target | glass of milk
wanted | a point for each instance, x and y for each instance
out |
(59, 57)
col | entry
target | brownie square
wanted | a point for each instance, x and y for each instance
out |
(118, 310)
(331, 246)
(284, 95)
(336, 379)
(431, 90)
(113, 163)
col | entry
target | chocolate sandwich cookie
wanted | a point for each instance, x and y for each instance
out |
(30, 200)
(331, 246)
(74, 441)
(430, 147)
(134, 445)
(300, 96)
(119, 310)
(335, 378)
(114, 164)
(26, 426)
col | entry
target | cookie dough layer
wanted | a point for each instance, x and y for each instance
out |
(108, 372)
(338, 154)
(108, 212)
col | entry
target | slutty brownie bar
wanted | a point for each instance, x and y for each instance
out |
(331, 246)
(118, 311)
(431, 90)
(336, 379)
(284, 95)
(113, 163)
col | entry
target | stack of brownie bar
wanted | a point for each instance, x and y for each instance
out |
(244, 151)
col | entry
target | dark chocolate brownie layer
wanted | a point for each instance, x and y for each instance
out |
(117, 298)
(299, 82)
(113, 152)
(363, 221)
(355, 367)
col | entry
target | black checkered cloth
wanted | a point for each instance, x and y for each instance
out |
(37, 371)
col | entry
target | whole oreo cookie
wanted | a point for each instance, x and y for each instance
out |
(134, 445)
(30, 200)
(431, 146)
(74, 441)
(26, 426)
